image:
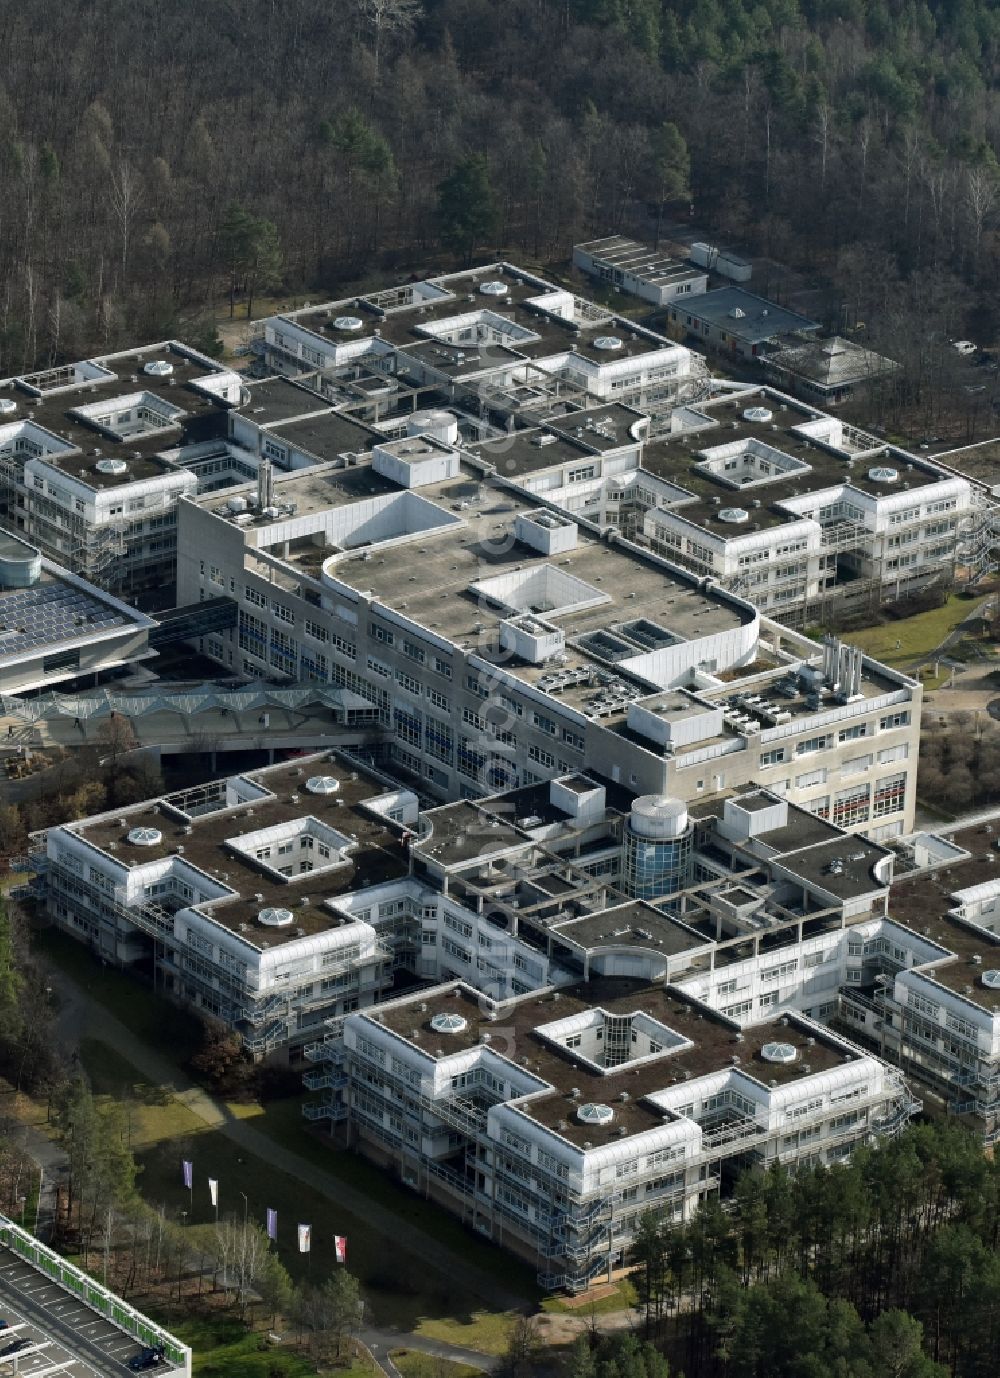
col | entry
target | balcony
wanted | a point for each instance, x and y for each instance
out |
(324, 1081)
(324, 1110)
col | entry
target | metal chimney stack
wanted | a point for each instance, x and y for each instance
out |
(265, 484)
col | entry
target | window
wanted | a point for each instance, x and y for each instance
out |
(851, 734)
(252, 595)
(378, 668)
(546, 724)
(773, 757)
(380, 633)
(415, 652)
(812, 744)
(441, 667)
(282, 612)
(850, 806)
(890, 795)
(438, 700)
(407, 682)
(439, 740)
(581, 473)
(317, 632)
(892, 720)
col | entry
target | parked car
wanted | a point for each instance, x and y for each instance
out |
(148, 1357)
(21, 1342)
(963, 346)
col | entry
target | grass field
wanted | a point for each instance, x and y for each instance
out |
(153, 1113)
(918, 636)
(622, 1297)
(223, 1349)
(487, 1331)
(414, 1364)
(399, 1286)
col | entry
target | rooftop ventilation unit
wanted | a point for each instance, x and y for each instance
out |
(347, 323)
(158, 368)
(991, 979)
(779, 1052)
(145, 837)
(276, 918)
(757, 414)
(493, 288)
(592, 1113)
(882, 473)
(111, 466)
(733, 515)
(449, 1023)
(608, 342)
(322, 784)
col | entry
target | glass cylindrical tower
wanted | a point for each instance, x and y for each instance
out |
(658, 847)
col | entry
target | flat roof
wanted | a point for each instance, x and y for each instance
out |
(760, 320)
(378, 857)
(922, 900)
(204, 418)
(676, 459)
(631, 924)
(844, 866)
(431, 580)
(980, 462)
(652, 265)
(462, 832)
(312, 490)
(327, 435)
(555, 335)
(273, 400)
(715, 1043)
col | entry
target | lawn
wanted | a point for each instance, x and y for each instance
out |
(621, 1298)
(221, 1348)
(487, 1331)
(400, 1287)
(282, 1121)
(153, 1113)
(918, 636)
(412, 1363)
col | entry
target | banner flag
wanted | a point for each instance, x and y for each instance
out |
(340, 1244)
(305, 1238)
(213, 1190)
(187, 1168)
(272, 1224)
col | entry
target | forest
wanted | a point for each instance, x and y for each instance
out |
(885, 1266)
(159, 158)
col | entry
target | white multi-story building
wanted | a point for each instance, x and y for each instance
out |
(88, 456)
(797, 510)
(553, 1123)
(506, 643)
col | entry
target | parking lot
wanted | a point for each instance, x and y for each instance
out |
(64, 1333)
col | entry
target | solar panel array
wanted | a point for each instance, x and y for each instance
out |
(48, 614)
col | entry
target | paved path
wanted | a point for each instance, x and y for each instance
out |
(80, 1013)
(380, 1342)
(53, 1161)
